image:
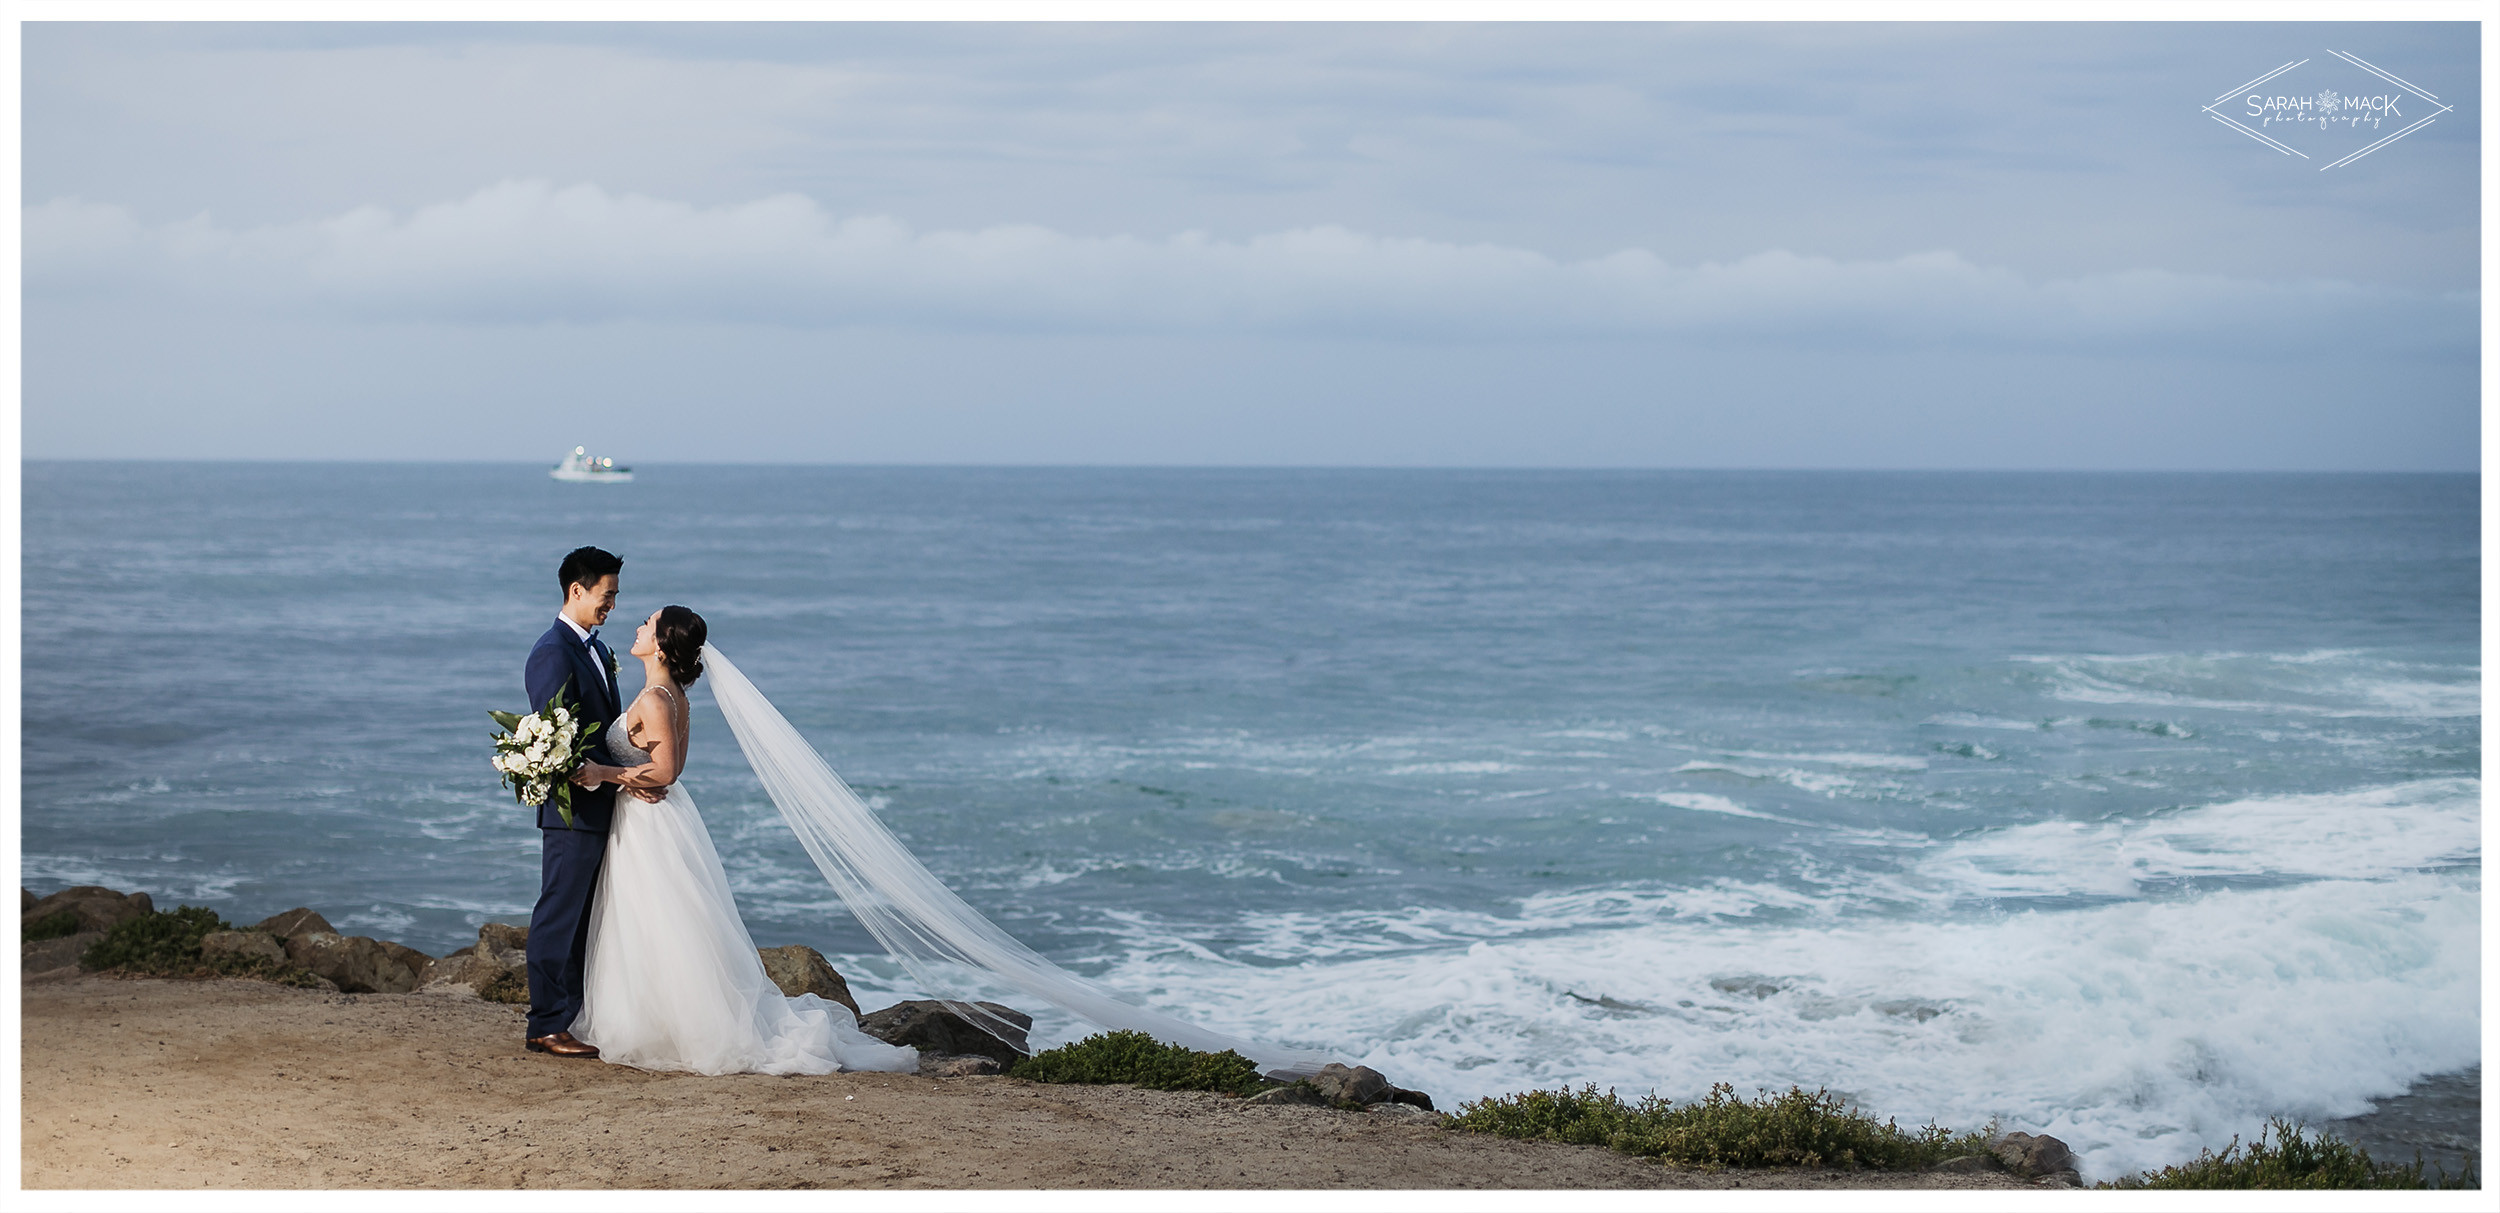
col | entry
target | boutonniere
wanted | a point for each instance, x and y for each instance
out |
(613, 667)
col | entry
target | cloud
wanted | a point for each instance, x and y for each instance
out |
(524, 252)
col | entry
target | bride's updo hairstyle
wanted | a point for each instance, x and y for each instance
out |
(680, 633)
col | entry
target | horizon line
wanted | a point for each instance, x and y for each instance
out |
(1286, 467)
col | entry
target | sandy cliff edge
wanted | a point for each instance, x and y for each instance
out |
(135, 1083)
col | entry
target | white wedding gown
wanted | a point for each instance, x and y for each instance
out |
(672, 981)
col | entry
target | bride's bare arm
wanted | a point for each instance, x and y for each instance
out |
(667, 748)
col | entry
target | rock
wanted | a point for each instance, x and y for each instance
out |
(1969, 1164)
(298, 921)
(496, 962)
(1298, 1095)
(1400, 1111)
(242, 943)
(503, 937)
(799, 969)
(1343, 1084)
(945, 1065)
(45, 955)
(458, 974)
(932, 1027)
(2069, 1178)
(449, 977)
(1412, 1099)
(358, 964)
(25, 899)
(1017, 1024)
(2032, 1157)
(98, 908)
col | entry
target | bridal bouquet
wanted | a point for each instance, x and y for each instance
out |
(537, 751)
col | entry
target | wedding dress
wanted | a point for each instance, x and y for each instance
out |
(672, 981)
(955, 954)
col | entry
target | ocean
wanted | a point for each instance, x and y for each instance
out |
(2130, 808)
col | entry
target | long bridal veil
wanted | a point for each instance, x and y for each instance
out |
(921, 922)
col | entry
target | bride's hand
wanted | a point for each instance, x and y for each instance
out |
(649, 795)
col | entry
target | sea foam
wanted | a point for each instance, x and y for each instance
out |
(2138, 1032)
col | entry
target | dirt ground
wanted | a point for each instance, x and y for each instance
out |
(233, 1084)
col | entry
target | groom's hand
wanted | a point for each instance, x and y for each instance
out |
(649, 795)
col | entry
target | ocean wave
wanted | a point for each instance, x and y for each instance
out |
(1476, 767)
(2364, 833)
(1821, 783)
(1880, 762)
(2139, 1032)
(1974, 720)
(2336, 682)
(1704, 802)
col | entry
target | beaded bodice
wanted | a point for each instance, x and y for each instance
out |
(620, 747)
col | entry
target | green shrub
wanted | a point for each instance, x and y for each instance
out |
(167, 944)
(255, 968)
(1795, 1129)
(155, 944)
(2293, 1159)
(1141, 1060)
(59, 924)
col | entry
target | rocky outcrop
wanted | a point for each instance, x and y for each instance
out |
(97, 908)
(1349, 1088)
(2042, 1157)
(948, 1065)
(503, 937)
(89, 910)
(243, 943)
(53, 955)
(799, 969)
(357, 963)
(2022, 1155)
(934, 1027)
(1401, 1111)
(1358, 1085)
(302, 920)
(1362, 1086)
(496, 967)
(1297, 1095)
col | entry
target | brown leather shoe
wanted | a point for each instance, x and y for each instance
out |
(561, 1044)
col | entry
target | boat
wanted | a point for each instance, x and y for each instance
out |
(582, 465)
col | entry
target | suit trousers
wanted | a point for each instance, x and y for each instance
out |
(559, 941)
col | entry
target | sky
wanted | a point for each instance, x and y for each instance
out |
(1796, 245)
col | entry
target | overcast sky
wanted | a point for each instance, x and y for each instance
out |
(1793, 245)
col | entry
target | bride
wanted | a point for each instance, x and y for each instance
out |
(672, 981)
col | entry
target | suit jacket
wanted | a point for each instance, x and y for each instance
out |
(560, 657)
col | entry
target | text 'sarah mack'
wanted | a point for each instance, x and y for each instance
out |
(2325, 107)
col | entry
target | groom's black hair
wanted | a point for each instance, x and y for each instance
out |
(585, 566)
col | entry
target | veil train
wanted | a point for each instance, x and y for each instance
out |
(921, 922)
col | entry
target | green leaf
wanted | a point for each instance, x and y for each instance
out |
(509, 720)
(564, 803)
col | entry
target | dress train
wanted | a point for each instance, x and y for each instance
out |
(672, 981)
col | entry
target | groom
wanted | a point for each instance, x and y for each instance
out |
(570, 664)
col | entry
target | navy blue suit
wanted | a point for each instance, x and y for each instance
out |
(568, 867)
